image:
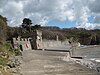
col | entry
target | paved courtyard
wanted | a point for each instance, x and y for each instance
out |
(37, 62)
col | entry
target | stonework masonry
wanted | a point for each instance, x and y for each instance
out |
(22, 43)
(36, 42)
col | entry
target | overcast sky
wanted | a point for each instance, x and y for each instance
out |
(64, 13)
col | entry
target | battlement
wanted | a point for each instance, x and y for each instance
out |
(21, 39)
(29, 43)
(22, 43)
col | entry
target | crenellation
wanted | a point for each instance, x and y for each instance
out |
(14, 39)
(36, 41)
(28, 39)
(18, 38)
(21, 39)
(24, 43)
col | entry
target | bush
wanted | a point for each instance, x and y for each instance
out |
(5, 53)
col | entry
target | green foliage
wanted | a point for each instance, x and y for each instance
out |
(5, 53)
(60, 35)
(3, 61)
(27, 21)
(81, 35)
(46, 34)
(52, 35)
(84, 34)
(27, 24)
(85, 37)
(3, 27)
(35, 27)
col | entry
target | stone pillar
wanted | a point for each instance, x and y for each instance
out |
(57, 38)
(37, 40)
(74, 47)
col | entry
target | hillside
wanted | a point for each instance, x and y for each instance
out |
(6, 51)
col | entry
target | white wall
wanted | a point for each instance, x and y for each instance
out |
(25, 44)
(53, 43)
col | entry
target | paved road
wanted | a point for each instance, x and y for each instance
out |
(51, 63)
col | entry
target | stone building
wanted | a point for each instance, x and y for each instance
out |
(22, 43)
(35, 42)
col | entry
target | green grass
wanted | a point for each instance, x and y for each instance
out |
(3, 61)
(5, 51)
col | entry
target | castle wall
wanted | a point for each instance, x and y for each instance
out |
(43, 44)
(37, 42)
(53, 43)
(22, 42)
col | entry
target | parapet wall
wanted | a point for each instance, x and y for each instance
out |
(22, 43)
(53, 43)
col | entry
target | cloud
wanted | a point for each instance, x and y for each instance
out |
(52, 9)
(13, 11)
(94, 6)
(43, 11)
(59, 10)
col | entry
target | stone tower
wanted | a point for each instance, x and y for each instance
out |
(36, 41)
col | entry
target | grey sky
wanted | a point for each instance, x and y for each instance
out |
(42, 11)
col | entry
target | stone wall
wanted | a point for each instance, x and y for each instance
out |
(53, 43)
(37, 42)
(22, 43)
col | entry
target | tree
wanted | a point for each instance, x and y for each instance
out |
(27, 24)
(85, 37)
(35, 27)
(3, 28)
